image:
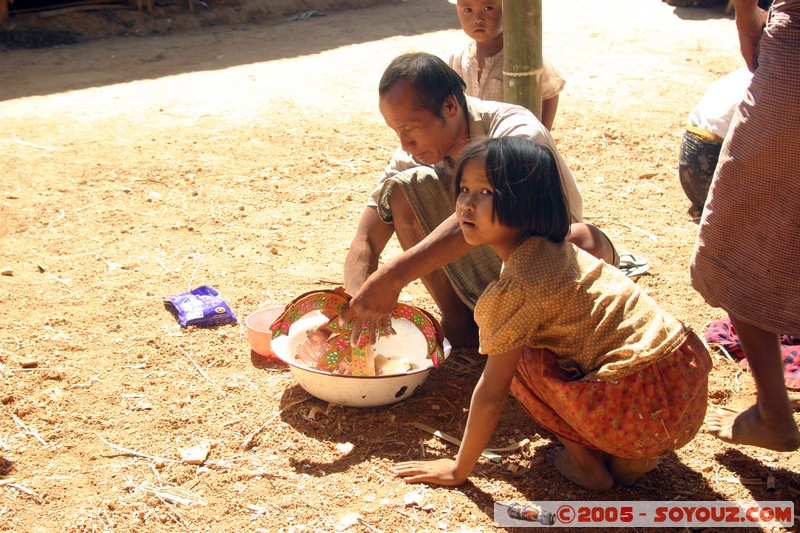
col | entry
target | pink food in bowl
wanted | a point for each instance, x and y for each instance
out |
(258, 332)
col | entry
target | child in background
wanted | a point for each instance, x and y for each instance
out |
(480, 63)
(586, 352)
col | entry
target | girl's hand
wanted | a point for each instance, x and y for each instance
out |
(439, 472)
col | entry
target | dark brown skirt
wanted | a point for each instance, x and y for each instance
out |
(746, 256)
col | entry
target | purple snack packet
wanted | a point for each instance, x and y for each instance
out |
(201, 307)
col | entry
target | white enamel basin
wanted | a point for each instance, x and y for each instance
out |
(360, 391)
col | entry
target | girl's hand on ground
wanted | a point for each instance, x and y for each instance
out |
(439, 472)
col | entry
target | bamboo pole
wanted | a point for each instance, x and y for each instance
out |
(522, 54)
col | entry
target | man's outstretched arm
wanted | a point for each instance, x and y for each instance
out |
(369, 241)
(376, 297)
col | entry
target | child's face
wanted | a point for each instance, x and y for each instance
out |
(481, 19)
(474, 210)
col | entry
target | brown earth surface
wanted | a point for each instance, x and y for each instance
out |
(240, 156)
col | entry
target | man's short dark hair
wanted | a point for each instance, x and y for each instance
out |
(431, 78)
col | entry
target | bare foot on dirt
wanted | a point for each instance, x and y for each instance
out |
(748, 427)
(583, 467)
(627, 471)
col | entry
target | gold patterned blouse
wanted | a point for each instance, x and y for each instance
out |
(599, 323)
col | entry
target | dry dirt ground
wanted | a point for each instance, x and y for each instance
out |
(240, 156)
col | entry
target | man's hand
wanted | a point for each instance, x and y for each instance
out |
(371, 306)
(439, 472)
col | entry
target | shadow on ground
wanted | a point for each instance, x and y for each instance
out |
(199, 41)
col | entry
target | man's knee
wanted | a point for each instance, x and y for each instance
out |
(401, 208)
(406, 225)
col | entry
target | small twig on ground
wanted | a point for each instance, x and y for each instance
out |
(37, 146)
(172, 494)
(247, 443)
(722, 349)
(626, 224)
(135, 367)
(27, 491)
(368, 525)
(191, 279)
(61, 214)
(27, 429)
(512, 448)
(10, 482)
(794, 400)
(738, 387)
(160, 262)
(448, 402)
(38, 368)
(452, 440)
(365, 141)
(650, 175)
(62, 281)
(271, 297)
(637, 228)
(249, 457)
(126, 451)
(202, 372)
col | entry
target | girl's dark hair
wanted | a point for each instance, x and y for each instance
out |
(433, 80)
(528, 193)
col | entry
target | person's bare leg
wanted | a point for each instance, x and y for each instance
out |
(768, 423)
(627, 471)
(549, 108)
(457, 319)
(583, 466)
(592, 240)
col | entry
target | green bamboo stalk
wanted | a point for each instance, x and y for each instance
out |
(522, 54)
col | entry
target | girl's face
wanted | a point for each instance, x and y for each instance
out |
(481, 19)
(474, 210)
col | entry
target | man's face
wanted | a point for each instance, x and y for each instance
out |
(422, 134)
(481, 19)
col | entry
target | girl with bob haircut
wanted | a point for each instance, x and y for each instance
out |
(584, 350)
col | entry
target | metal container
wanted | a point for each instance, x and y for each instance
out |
(360, 391)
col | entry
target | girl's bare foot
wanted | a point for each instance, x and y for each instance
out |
(627, 471)
(749, 427)
(583, 466)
